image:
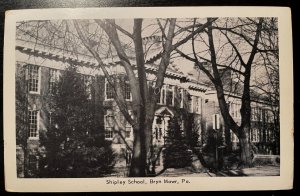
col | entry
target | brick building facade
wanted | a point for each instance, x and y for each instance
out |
(181, 94)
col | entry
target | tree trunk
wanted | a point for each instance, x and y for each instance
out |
(228, 139)
(246, 157)
(138, 161)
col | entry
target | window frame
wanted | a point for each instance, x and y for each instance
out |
(198, 104)
(37, 125)
(170, 89)
(29, 78)
(128, 125)
(106, 87)
(181, 96)
(106, 127)
(127, 87)
(162, 99)
(33, 162)
(88, 81)
(53, 82)
(191, 104)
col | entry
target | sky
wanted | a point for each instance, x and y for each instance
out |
(150, 27)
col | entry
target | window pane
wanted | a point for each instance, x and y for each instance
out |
(109, 126)
(170, 94)
(53, 79)
(108, 133)
(197, 103)
(88, 85)
(32, 123)
(163, 95)
(109, 91)
(32, 162)
(127, 93)
(127, 130)
(181, 98)
(190, 106)
(33, 73)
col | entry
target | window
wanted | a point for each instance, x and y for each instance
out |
(181, 98)
(269, 116)
(88, 85)
(127, 132)
(271, 134)
(128, 129)
(253, 113)
(198, 105)
(162, 95)
(32, 162)
(170, 95)
(158, 120)
(33, 79)
(151, 85)
(127, 93)
(260, 116)
(50, 118)
(182, 125)
(158, 133)
(256, 114)
(108, 91)
(108, 123)
(231, 109)
(53, 79)
(254, 135)
(33, 124)
(190, 103)
(234, 110)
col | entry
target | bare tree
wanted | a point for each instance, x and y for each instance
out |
(233, 44)
(106, 36)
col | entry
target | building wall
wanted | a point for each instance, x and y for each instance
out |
(196, 109)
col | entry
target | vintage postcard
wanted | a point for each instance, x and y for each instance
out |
(148, 99)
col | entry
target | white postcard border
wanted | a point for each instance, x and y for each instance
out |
(284, 181)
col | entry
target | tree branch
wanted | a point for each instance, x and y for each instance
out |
(122, 30)
(200, 29)
(119, 98)
(235, 49)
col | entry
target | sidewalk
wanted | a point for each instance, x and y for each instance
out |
(185, 172)
(266, 170)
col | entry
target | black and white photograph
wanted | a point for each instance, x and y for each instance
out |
(167, 99)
